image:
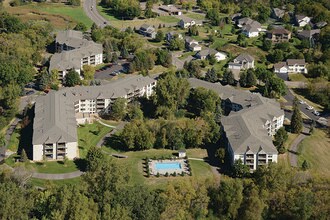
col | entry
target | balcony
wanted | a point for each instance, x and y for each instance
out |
(249, 162)
(262, 156)
(262, 163)
(60, 151)
(48, 147)
(250, 156)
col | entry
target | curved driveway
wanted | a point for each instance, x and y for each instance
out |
(91, 11)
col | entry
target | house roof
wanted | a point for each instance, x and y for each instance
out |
(321, 24)
(169, 8)
(279, 31)
(190, 40)
(278, 12)
(54, 113)
(72, 59)
(194, 45)
(279, 65)
(243, 57)
(71, 38)
(206, 52)
(291, 62)
(300, 17)
(245, 127)
(250, 28)
(146, 26)
(308, 33)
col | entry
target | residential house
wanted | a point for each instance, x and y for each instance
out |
(147, 31)
(291, 66)
(321, 24)
(302, 20)
(192, 44)
(249, 125)
(170, 35)
(277, 13)
(58, 113)
(249, 27)
(279, 35)
(204, 54)
(308, 34)
(243, 61)
(73, 52)
(186, 22)
(170, 9)
(236, 17)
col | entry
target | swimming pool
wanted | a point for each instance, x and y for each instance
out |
(167, 166)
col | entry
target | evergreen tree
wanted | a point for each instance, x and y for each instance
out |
(211, 75)
(280, 137)
(296, 120)
(305, 165)
(159, 36)
(72, 78)
(24, 157)
(251, 79)
(228, 78)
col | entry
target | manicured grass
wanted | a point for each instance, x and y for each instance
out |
(14, 140)
(196, 153)
(195, 16)
(134, 165)
(168, 19)
(47, 183)
(315, 150)
(298, 77)
(89, 135)
(106, 13)
(158, 69)
(54, 167)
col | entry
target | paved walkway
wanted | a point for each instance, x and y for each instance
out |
(293, 153)
(61, 176)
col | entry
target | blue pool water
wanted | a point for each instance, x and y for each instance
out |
(164, 166)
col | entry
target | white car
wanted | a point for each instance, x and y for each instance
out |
(316, 113)
(302, 102)
(310, 107)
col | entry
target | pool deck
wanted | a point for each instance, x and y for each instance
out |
(154, 170)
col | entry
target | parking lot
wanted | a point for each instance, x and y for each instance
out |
(109, 72)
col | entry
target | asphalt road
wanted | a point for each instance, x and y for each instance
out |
(93, 14)
(106, 74)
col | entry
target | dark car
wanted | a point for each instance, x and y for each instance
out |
(30, 92)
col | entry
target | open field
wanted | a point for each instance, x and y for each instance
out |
(61, 16)
(315, 150)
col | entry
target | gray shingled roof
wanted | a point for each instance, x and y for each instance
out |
(206, 52)
(54, 113)
(245, 128)
(54, 120)
(72, 59)
(71, 38)
(244, 57)
(308, 33)
(291, 62)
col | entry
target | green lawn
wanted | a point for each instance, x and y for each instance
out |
(168, 19)
(315, 150)
(89, 136)
(14, 140)
(298, 77)
(54, 167)
(185, 55)
(76, 13)
(47, 183)
(195, 16)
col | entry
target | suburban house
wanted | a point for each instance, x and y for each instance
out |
(250, 124)
(186, 22)
(73, 52)
(192, 44)
(291, 66)
(170, 9)
(308, 34)
(204, 54)
(321, 24)
(277, 13)
(278, 35)
(170, 35)
(243, 61)
(302, 20)
(147, 31)
(58, 113)
(249, 27)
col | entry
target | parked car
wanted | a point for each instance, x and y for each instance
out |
(30, 92)
(316, 113)
(310, 107)
(302, 102)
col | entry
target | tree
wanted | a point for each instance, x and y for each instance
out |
(193, 31)
(88, 72)
(228, 78)
(72, 78)
(214, 16)
(134, 111)
(305, 165)
(239, 169)
(202, 100)
(211, 75)
(176, 43)
(194, 68)
(80, 27)
(159, 36)
(74, 2)
(94, 158)
(266, 44)
(263, 13)
(296, 120)
(274, 86)
(251, 79)
(24, 157)
(118, 109)
(276, 56)
(221, 155)
(164, 57)
(280, 138)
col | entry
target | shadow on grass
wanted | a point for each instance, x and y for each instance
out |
(26, 134)
(81, 164)
(114, 142)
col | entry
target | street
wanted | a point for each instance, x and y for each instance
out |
(91, 11)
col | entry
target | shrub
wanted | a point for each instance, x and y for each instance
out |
(166, 174)
(174, 174)
(157, 175)
(182, 173)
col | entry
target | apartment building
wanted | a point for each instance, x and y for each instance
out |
(58, 113)
(250, 122)
(73, 52)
